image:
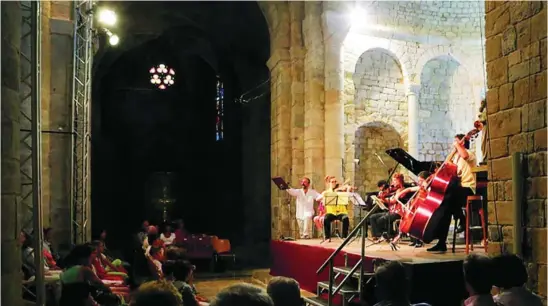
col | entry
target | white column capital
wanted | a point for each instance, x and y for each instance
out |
(413, 89)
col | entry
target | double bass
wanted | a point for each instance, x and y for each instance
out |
(417, 219)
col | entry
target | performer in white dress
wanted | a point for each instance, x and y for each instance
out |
(305, 206)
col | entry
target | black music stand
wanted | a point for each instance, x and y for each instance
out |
(358, 201)
(282, 185)
(332, 199)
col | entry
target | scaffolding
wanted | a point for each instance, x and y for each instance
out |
(81, 113)
(30, 131)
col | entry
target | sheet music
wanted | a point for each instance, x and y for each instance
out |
(379, 202)
(357, 198)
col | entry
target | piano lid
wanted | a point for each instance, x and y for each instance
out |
(409, 162)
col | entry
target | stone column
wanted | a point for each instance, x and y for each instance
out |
(280, 71)
(413, 119)
(11, 180)
(56, 110)
(314, 96)
(334, 107)
(297, 52)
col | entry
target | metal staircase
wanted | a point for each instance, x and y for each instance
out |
(349, 282)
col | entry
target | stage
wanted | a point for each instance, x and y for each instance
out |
(435, 278)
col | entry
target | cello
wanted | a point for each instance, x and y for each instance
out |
(417, 219)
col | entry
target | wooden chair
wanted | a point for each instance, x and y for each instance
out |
(471, 208)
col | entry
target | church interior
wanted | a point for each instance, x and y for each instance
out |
(115, 112)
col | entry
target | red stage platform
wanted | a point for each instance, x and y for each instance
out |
(300, 260)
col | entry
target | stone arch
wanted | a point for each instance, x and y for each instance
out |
(465, 60)
(447, 106)
(386, 46)
(380, 90)
(371, 141)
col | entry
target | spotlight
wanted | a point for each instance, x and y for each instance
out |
(107, 17)
(113, 40)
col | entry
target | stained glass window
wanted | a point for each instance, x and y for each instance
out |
(219, 129)
(162, 76)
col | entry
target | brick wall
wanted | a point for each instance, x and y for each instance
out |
(516, 99)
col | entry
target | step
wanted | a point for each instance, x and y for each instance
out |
(315, 300)
(346, 270)
(345, 290)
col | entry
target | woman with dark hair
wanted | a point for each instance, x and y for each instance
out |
(79, 283)
(103, 267)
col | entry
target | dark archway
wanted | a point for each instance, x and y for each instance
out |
(138, 130)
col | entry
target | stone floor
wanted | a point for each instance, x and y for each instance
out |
(208, 285)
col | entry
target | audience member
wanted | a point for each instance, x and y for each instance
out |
(180, 274)
(242, 295)
(180, 232)
(478, 277)
(284, 291)
(510, 278)
(392, 285)
(155, 256)
(167, 236)
(157, 293)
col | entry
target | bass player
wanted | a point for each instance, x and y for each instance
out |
(455, 199)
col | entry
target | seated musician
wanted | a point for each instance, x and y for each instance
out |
(341, 215)
(423, 176)
(457, 193)
(103, 267)
(382, 221)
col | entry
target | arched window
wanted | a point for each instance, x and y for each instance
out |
(219, 129)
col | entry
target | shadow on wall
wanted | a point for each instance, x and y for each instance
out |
(371, 142)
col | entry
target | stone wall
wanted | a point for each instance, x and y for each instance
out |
(446, 107)
(516, 101)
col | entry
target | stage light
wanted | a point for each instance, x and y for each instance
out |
(107, 17)
(113, 40)
(162, 76)
(358, 17)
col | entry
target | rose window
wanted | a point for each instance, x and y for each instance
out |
(162, 76)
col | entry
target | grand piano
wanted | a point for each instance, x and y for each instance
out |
(410, 163)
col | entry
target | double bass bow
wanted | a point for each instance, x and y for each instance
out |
(417, 219)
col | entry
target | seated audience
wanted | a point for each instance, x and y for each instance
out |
(155, 256)
(180, 274)
(27, 256)
(180, 232)
(510, 278)
(167, 236)
(79, 283)
(143, 232)
(157, 293)
(242, 295)
(392, 285)
(152, 240)
(99, 267)
(478, 278)
(284, 291)
(105, 264)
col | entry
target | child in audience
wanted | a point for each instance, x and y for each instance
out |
(284, 291)
(511, 276)
(478, 277)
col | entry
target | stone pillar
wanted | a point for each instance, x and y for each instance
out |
(57, 110)
(314, 96)
(334, 107)
(280, 73)
(11, 180)
(413, 119)
(297, 53)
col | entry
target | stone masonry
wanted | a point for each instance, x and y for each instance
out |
(516, 99)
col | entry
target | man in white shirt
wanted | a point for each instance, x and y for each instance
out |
(455, 199)
(305, 206)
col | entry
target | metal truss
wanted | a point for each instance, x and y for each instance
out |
(30, 147)
(81, 113)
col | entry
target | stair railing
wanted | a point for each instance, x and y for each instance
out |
(330, 262)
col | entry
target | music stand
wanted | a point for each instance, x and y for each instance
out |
(357, 200)
(282, 185)
(335, 199)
